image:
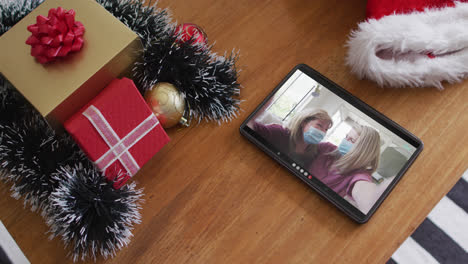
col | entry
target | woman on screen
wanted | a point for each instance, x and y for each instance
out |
(300, 137)
(347, 169)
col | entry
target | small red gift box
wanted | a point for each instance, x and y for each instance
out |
(118, 131)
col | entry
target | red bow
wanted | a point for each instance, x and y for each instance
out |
(56, 35)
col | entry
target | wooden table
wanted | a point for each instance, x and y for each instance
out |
(212, 197)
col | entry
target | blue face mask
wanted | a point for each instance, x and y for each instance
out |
(313, 136)
(345, 146)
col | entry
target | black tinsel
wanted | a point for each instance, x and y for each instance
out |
(13, 11)
(147, 21)
(90, 215)
(30, 153)
(207, 81)
(13, 106)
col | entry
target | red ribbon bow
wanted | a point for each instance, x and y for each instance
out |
(56, 35)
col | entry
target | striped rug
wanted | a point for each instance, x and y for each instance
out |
(443, 236)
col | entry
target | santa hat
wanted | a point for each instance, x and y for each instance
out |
(411, 42)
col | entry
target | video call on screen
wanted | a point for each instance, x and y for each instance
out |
(332, 140)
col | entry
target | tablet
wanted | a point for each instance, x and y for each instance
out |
(338, 145)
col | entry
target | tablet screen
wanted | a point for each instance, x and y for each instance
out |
(325, 136)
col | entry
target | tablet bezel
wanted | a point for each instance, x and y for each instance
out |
(314, 183)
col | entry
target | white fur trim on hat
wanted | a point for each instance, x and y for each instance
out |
(393, 50)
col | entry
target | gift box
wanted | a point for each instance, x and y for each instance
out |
(118, 131)
(60, 88)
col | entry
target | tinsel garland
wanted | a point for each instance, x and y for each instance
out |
(87, 212)
(41, 167)
(50, 172)
(208, 82)
(31, 153)
(13, 106)
(13, 11)
(147, 21)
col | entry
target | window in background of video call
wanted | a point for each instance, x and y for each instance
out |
(300, 93)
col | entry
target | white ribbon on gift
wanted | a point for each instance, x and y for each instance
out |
(118, 148)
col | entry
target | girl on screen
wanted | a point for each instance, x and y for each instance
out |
(300, 137)
(347, 169)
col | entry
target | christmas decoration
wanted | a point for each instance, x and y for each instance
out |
(89, 214)
(60, 89)
(411, 43)
(212, 88)
(191, 32)
(167, 104)
(76, 200)
(13, 106)
(118, 131)
(207, 81)
(148, 21)
(29, 154)
(13, 11)
(56, 35)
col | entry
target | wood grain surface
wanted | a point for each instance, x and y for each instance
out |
(212, 197)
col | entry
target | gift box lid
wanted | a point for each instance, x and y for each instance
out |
(99, 61)
(123, 107)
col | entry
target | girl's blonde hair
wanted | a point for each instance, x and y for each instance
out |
(297, 123)
(365, 153)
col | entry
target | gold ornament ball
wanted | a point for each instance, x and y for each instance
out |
(167, 103)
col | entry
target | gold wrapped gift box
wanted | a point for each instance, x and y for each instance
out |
(61, 88)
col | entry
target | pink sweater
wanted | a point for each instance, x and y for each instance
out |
(278, 136)
(341, 184)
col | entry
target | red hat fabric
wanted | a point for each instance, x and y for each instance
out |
(411, 43)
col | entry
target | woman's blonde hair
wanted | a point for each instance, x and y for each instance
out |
(365, 153)
(297, 123)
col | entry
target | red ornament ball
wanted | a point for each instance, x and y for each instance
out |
(56, 35)
(188, 31)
